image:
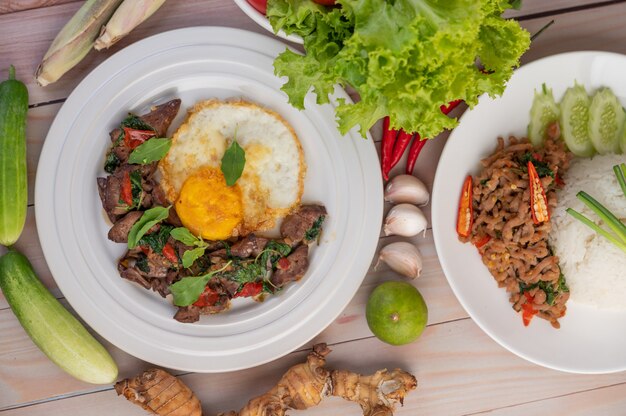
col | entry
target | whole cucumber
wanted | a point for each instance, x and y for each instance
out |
(13, 180)
(52, 327)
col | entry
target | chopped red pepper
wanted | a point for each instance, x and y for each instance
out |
(465, 216)
(145, 249)
(538, 200)
(250, 289)
(557, 179)
(389, 140)
(283, 263)
(527, 309)
(133, 137)
(126, 192)
(481, 243)
(208, 297)
(414, 152)
(169, 253)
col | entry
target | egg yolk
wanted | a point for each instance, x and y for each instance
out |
(208, 207)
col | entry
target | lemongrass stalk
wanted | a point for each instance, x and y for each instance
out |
(620, 173)
(580, 217)
(128, 16)
(75, 40)
(605, 215)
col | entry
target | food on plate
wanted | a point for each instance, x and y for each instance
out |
(129, 15)
(270, 186)
(403, 258)
(508, 221)
(160, 393)
(396, 313)
(406, 220)
(13, 180)
(606, 121)
(303, 386)
(56, 332)
(439, 52)
(593, 266)
(231, 170)
(74, 40)
(574, 121)
(406, 189)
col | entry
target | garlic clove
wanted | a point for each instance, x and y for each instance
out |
(406, 189)
(406, 220)
(403, 258)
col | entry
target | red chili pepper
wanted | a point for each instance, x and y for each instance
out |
(446, 109)
(481, 243)
(250, 289)
(538, 200)
(133, 137)
(283, 263)
(389, 140)
(560, 182)
(465, 216)
(414, 151)
(169, 253)
(527, 309)
(145, 249)
(126, 193)
(402, 143)
(208, 297)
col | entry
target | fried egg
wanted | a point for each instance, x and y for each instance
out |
(269, 188)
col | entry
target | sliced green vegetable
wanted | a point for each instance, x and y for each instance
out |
(580, 217)
(606, 120)
(620, 173)
(13, 178)
(151, 150)
(233, 162)
(543, 112)
(575, 121)
(53, 328)
(607, 216)
(188, 289)
(148, 220)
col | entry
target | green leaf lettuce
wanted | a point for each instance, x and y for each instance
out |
(405, 58)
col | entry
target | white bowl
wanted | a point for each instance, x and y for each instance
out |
(197, 64)
(589, 340)
(263, 21)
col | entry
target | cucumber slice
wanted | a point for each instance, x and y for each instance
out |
(606, 119)
(543, 112)
(575, 121)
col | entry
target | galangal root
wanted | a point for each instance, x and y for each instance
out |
(301, 387)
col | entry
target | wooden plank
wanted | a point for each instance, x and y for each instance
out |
(530, 7)
(460, 371)
(609, 400)
(11, 6)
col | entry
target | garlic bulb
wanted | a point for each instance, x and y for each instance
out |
(406, 220)
(403, 258)
(406, 189)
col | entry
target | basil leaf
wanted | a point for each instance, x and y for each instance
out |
(183, 235)
(149, 218)
(190, 256)
(233, 162)
(188, 289)
(150, 151)
(135, 122)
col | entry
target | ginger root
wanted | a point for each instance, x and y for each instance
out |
(301, 387)
(161, 393)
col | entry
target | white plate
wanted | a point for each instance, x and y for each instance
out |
(195, 64)
(264, 22)
(590, 340)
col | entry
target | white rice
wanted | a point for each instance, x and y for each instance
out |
(594, 269)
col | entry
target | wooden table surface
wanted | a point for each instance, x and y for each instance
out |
(460, 370)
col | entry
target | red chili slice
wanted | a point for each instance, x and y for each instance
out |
(250, 289)
(133, 137)
(527, 309)
(465, 217)
(538, 201)
(208, 297)
(126, 193)
(169, 253)
(283, 263)
(481, 243)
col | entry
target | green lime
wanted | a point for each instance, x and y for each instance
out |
(396, 313)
